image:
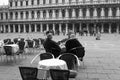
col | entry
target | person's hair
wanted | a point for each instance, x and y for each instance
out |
(47, 32)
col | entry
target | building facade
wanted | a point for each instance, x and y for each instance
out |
(22, 16)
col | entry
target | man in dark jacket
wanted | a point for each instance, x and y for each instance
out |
(75, 47)
(51, 46)
(72, 43)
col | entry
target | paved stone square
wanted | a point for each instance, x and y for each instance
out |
(101, 61)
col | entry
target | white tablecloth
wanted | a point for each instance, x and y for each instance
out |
(15, 47)
(52, 64)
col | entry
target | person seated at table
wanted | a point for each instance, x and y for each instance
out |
(72, 43)
(51, 46)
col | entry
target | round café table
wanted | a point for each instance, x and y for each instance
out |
(45, 65)
(52, 64)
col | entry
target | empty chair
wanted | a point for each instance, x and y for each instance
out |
(71, 60)
(8, 52)
(28, 73)
(57, 74)
(79, 52)
(46, 56)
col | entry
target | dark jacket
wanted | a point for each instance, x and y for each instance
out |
(72, 43)
(52, 47)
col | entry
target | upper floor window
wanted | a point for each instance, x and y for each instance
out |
(10, 4)
(16, 3)
(21, 3)
(1, 16)
(38, 2)
(63, 1)
(11, 15)
(6, 15)
(21, 15)
(26, 3)
(57, 13)
(33, 14)
(32, 2)
(38, 14)
(16, 15)
(50, 1)
(70, 1)
(44, 14)
(56, 1)
(27, 15)
(50, 13)
(44, 1)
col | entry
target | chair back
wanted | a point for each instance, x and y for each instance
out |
(21, 45)
(57, 74)
(46, 56)
(78, 51)
(8, 50)
(70, 59)
(30, 43)
(28, 73)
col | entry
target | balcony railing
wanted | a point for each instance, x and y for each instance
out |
(62, 19)
(66, 4)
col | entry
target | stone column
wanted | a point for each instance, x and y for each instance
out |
(4, 16)
(41, 14)
(35, 27)
(80, 13)
(60, 27)
(80, 27)
(60, 13)
(24, 26)
(66, 13)
(47, 27)
(19, 16)
(118, 26)
(95, 13)
(13, 28)
(53, 14)
(87, 27)
(53, 27)
(73, 13)
(87, 13)
(19, 28)
(66, 28)
(102, 28)
(118, 12)
(13, 15)
(110, 12)
(35, 14)
(102, 13)
(47, 14)
(30, 16)
(73, 27)
(29, 27)
(9, 28)
(41, 29)
(109, 27)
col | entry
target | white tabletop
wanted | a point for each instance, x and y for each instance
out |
(15, 47)
(52, 64)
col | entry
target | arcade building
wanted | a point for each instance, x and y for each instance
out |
(27, 16)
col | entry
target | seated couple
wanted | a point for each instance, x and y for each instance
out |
(54, 48)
